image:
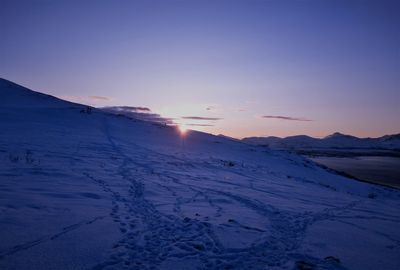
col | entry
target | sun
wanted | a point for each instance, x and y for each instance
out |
(182, 129)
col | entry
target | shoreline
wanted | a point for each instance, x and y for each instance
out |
(381, 172)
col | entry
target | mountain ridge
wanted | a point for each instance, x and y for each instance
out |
(335, 140)
(18, 96)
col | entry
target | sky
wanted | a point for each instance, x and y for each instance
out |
(239, 68)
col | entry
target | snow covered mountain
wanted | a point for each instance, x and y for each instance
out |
(334, 141)
(84, 189)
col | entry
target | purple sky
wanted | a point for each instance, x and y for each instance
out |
(242, 68)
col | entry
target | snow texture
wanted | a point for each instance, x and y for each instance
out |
(84, 189)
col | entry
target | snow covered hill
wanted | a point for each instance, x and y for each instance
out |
(334, 141)
(84, 189)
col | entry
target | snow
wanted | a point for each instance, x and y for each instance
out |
(83, 190)
(334, 141)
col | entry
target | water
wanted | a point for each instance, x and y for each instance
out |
(377, 169)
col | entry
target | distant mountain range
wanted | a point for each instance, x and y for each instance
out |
(336, 141)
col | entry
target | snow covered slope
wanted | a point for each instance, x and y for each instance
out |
(91, 190)
(334, 141)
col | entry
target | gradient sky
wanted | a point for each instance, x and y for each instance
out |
(258, 67)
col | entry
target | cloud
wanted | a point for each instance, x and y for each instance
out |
(213, 108)
(130, 108)
(99, 98)
(199, 125)
(201, 118)
(286, 118)
(91, 100)
(140, 113)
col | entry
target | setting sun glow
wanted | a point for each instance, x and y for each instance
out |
(182, 129)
